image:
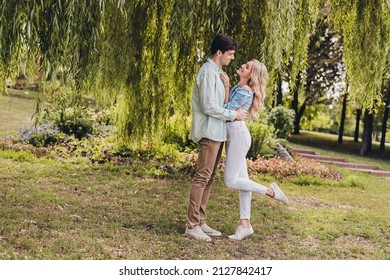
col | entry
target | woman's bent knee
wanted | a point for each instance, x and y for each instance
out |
(230, 182)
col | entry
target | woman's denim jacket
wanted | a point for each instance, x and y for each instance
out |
(239, 97)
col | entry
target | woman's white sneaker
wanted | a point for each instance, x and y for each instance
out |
(279, 195)
(241, 233)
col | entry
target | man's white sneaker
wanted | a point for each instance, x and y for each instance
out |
(241, 233)
(279, 195)
(209, 231)
(197, 234)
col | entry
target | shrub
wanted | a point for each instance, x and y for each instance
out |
(177, 132)
(41, 135)
(77, 121)
(93, 149)
(282, 120)
(262, 136)
(68, 110)
(281, 169)
(148, 150)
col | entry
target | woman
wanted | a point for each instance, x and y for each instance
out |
(249, 94)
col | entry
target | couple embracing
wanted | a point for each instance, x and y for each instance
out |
(218, 115)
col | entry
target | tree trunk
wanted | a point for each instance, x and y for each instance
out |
(297, 121)
(295, 103)
(384, 128)
(357, 125)
(279, 93)
(386, 94)
(367, 133)
(342, 121)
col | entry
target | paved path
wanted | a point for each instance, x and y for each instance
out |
(341, 162)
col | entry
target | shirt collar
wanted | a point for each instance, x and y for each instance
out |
(214, 65)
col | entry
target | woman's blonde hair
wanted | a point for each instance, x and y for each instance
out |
(258, 80)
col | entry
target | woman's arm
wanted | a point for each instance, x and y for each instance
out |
(226, 82)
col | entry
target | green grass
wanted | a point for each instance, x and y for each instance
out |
(15, 112)
(26, 94)
(52, 210)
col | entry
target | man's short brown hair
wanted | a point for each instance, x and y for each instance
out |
(223, 43)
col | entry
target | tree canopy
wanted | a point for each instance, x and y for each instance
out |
(141, 56)
(366, 29)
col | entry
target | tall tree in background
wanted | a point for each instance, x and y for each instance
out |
(357, 125)
(386, 98)
(324, 69)
(342, 118)
(367, 132)
(366, 27)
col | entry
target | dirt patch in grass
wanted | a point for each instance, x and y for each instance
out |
(345, 242)
(300, 202)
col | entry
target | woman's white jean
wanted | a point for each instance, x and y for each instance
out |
(236, 171)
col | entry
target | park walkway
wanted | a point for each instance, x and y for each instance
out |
(341, 162)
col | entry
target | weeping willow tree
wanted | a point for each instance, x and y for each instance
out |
(135, 66)
(365, 25)
(273, 32)
(163, 43)
(140, 57)
(366, 29)
(305, 22)
(61, 34)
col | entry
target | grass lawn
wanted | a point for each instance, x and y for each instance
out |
(52, 210)
(58, 210)
(15, 113)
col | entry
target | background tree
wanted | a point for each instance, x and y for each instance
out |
(366, 26)
(386, 111)
(324, 71)
(357, 124)
(342, 118)
(367, 132)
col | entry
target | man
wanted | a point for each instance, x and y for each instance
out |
(209, 129)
